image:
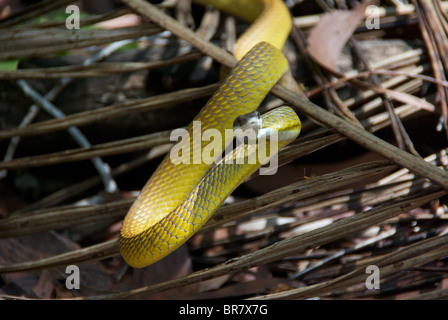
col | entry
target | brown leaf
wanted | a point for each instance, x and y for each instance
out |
(327, 39)
(41, 283)
(44, 286)
(242, 289)
(176, 265)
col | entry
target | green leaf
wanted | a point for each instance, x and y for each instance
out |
(9, 65)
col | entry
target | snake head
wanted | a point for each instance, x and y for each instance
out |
(250, 126)
(247, 126)
(251, 120)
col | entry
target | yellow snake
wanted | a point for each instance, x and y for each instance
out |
(179, 198)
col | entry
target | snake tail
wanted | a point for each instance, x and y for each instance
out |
(271, 21)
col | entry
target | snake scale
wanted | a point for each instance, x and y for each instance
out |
(180, 197)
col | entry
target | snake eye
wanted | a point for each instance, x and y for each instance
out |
(238, 122)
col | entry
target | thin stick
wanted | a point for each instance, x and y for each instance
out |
(112, 112)
(77, 188)
(343, 252)
(95, 69)
(401, 136)
(33, 11)
(84, 153)
(364, 74)
(102, 167)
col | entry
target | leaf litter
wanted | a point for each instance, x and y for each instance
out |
(307, 232)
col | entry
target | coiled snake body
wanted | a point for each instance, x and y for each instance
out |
(179, 198)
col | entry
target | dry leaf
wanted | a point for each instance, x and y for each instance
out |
(327, 39)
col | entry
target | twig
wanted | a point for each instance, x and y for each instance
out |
(433, 295)
(26, 44)
(428, 35)
(363, 74)
(33, 11)
(103, 168)
(400, 133)
(412, 255)
(14, 142)
(96, 252)
(84, 153)
(77, 188)
(111, 112)
(343, 252)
